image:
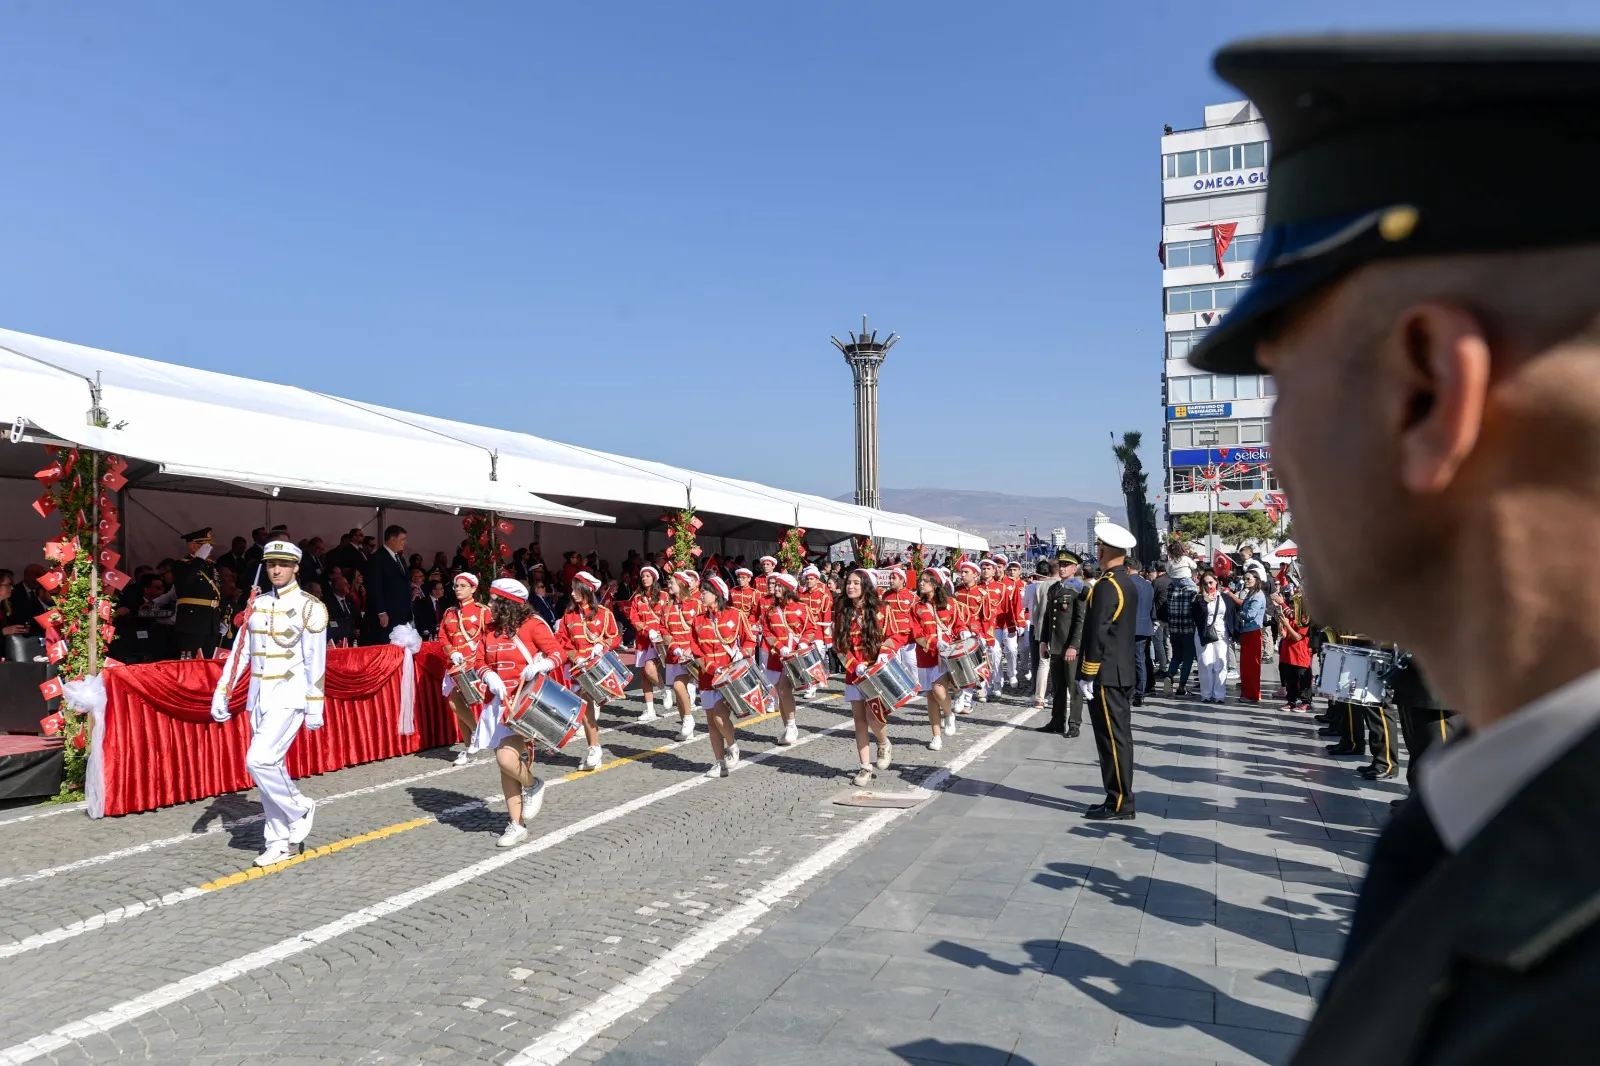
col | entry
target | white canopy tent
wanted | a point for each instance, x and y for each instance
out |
(198, 431)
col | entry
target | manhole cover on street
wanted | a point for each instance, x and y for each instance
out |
(863, 797)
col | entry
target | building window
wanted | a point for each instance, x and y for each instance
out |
(1215, 160)
(1242, 249)
(1213, 208)
(1202, 388)
(1182, 342)
(1218, 297)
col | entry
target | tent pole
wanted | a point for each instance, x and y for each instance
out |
(94, 569)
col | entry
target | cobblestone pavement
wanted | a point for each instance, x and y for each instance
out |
(663, 916)
(995, 926)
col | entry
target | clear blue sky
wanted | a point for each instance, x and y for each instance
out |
(634, 225)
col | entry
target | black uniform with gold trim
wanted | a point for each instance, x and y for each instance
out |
(1424, 719)
(1108, 661)
(197, 623)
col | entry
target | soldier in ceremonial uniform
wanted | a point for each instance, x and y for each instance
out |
(1064, 608)
(197, 624)
(1436, 352)
(1107, 675)
(1424, 719)
(284, 649)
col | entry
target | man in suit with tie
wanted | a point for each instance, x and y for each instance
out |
(343, 625)
(388, 588)
(1437, 363)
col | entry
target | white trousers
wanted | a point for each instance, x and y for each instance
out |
(1212, 660)
(908, 659)
(1041, 677)
(996, 675)
(281, 802)
(1007, 643)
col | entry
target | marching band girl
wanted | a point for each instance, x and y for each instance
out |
(462, 629)
(863, 639)
(588, 630)
(783, 628)
(994, 592)
(517, 647)
(722, 634)
(901, 603)
(679, 614)
(644, 611)
(819, 602)
(972, 606)
(932, 622)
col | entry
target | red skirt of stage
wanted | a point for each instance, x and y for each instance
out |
(159, 745)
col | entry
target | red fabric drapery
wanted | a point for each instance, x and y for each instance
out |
(160, 746)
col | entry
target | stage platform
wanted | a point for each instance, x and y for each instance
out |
(30, 767)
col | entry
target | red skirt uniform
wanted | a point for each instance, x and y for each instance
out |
(900, 606)
(501, 654)
(680, 629)
(714, 638)
(748, 603)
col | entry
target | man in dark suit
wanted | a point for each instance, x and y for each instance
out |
(1108, 674)
(252, 554)
(1430, 353)
(388, 588)
(347, 555)
(428, 609)
(343, 625)
(1061, 632)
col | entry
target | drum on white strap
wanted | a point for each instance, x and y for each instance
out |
(890, 682)
(807, 667)
(1354, 674)
(604, 678)
(745, 688)
(545, 712)
(967, 662)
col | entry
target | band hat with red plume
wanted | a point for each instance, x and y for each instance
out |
(588, 579)
(786, 580)
(719, 585)
(509, 588)
(467, 576)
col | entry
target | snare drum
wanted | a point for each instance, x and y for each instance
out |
(807, 667)
(967, 663)
(545, 712)
(468, 693)
(1354, 675)
(890, 682)
(604, 678)
(745, 688)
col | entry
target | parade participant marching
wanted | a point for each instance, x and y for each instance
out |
(994, 595)
(518, 646)
(901, 603)
(646, 608)
(745, 597)
(284, 649)
(819, 602)
(932, 619)
(1108, 671)
(972, 607)
(586, 631)
(197, 624)
(722, 636)
(1016, 637)
(1005, 624)
(783, 627)
(679, 613)
(462, 630)
(863, 639)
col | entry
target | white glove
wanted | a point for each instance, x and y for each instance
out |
(965, 634)
(819, 644)
(883, 657)
(1087, 689)
(787, 650)
(654, 635)
(457, 659)
(861, 669)
(494, 684)
(219, 707)
(313, 720)
(679, 655)
(943, 647)
(541, 665)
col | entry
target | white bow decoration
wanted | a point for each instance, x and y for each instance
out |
(405, 638)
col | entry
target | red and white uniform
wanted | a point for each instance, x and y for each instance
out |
(680, 617)
(929, 626)
(900, 606)
(714, 639)
(971, 607)
(852, 652)
(462, 629)
(1010, 603)
(819, 604)
(747, 601)
(505, 660)
(994, 595)
(646, 615)
(781, 627)
(582, 638)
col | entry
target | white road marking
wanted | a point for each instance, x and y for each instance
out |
(578, 1029)
(117, 915)
(104, 1021)
(251, 819)
(51, 812)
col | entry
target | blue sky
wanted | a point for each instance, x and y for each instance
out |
(634, 225)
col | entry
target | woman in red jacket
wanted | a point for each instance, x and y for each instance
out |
(932, 621)
(722, 634)
(461, 630)
(862, 638)
(586, 631)
(649, 600)
(783, 626)
(679, 614)
(517, 646)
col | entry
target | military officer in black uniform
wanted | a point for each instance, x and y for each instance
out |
(197, 626)
(1430, 312)
(1424, 719)
(1062, 634)
(1107, 676)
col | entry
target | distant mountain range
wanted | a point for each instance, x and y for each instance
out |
(990, 513)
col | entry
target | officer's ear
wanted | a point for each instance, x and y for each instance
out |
(1436, 361)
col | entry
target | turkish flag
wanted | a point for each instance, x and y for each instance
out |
(56, 650)
(115, 580)
(50, 474)
(63, 551)
(108, 526)
(45, 505)
(1222, 564)
(113, 480)
(695, 524)
(108, 632)
(51, 690)
(505, 528)
(107, 558)
(50, 619)
(104, 608)
(50, 579)
(53, 724)
(108, 662)
(117, 463)
(1221, 237)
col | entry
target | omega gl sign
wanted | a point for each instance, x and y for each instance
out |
(1232, 181)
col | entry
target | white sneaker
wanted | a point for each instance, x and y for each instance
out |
(718, 769)
(791, 734)
(811, 693)
(983, 697)
(667, 699)
(950, 723)
(686, 730)
(731, 758)
(300, 828)
(936, 744)
(462, 759)
(593, 757)
(885, 754)
(514, 835)
(532, 800)
(275, 853)
(864, 777)
(649, 715)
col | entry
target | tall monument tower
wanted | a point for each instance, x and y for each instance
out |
(865, 353)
